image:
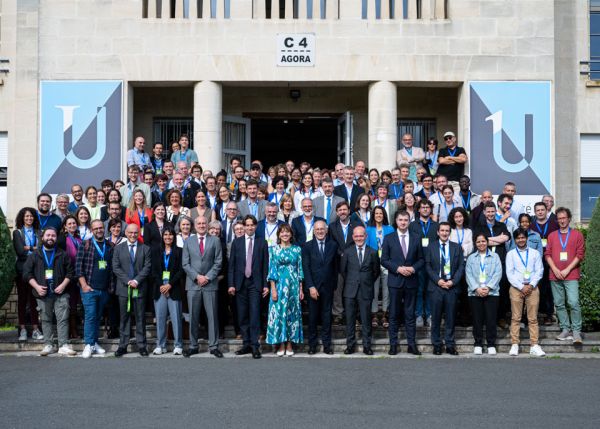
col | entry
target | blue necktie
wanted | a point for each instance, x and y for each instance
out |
(327, 210)
(131, 261)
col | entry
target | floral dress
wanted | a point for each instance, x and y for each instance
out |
(285, 315)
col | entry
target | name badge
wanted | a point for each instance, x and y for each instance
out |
(142, 231)
(309, 236)
(526, 276)
(159, 171)
(544, 242)
(135, 293)
(482, 279)
(166, 276)
(447, 270)
(49, 274)
(271, 242)
(424, 242)
(493, 249)
(564, 256)
(101, 265)
(379, 253)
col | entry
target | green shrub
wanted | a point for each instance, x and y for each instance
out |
(589, 288)
(7, 260)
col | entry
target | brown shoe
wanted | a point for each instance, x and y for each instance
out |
(385, 322)
(374, 321)
(548, 321)
(502, 324)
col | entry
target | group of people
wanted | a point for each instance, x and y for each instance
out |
(255, 248)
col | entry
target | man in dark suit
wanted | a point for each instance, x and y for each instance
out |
(445, 267)
(132, 263)
(303, 226)
(402, 255)
(247, 277)
(320, 265)
(267, 228)
(348, 190)
(340, 231)
(231, 217)
(187, 187)
(360, 268)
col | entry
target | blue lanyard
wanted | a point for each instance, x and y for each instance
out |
(382, 204)
(30, 238)
(543, 234)
(269, 234)
(75, 242)
(466, 204)
(490, 227)
(445, 255)
(43, 224)
(460, 240)
(526, 258)
(223, 204)
(446, 208)
(348, 194)
(158, 163)
(49, 263)
(394, 186)
(425, 230)
(366, 218)
(452, 152)
(482, 266)
(101, 253)
(142, 218)
(433, 158)
(564, 245)
(166, 259)
(85, 232)
(312, 223)
(408, 151)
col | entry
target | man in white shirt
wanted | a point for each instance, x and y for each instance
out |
(325, 204)
(524, 271)
(516, 207)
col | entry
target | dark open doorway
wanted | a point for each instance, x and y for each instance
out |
(275, 140)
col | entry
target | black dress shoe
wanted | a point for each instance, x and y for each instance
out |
(451, 351)
(120, 352)
(143, 352)
(244, 351)
(349, 350)
(190, 352)
(437, 350)
(368, 351)
(413, 350)
(216, 353)
(328, 350)
(393, 351)
(256, 354)
(312, 350)
(113, 333)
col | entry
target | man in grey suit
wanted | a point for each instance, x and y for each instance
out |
(251, 205)
(131, 265)
(360, 268)
(202, 259)
(325, 204)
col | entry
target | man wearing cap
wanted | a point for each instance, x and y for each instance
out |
(411, 156)
(256, 174)
(452, 160)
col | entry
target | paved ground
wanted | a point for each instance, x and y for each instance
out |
(301, 392)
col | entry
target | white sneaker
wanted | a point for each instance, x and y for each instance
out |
(536, 351)
(492, 351)
(87, 351)
(280, 352)
(23, 335)
(514, 350)
(47, 350)
(420, 322)
(177, 351)
(37, 335)
(67, 350)
(157, 351)
(478, 350)
(564, 335)
(289, 353)
(97, 350)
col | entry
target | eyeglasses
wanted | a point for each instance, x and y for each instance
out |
(448, 138)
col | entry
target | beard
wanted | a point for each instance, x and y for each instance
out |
(49, 243)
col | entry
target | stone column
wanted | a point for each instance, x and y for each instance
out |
(383, 131)
(208, 123)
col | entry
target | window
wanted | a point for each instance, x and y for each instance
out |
(595, 39)
(590, 175)
(168, 130)
(420, 129)
(590, 192)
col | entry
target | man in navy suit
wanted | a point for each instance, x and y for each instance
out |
(303, 226)
(320, 266)
(231, 217)
(267, 228)
(348, 190)
(445, 267)
(247, 277)
(402, 255)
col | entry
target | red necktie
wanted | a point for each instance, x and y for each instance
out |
(202, 246)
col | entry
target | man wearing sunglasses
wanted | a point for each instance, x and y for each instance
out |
(452, 160)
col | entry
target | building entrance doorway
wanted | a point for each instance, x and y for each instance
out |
(311, 139)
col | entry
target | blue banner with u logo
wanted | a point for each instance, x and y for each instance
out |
(511, 136)
(80, 133)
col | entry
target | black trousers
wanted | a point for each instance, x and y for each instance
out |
(320, 309)
(364, 308)
(442, 301)
(248, 299)
(484, 312)
(546, 298)
(402, 300)
(138, 306)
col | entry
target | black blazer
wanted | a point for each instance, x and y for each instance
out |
(415, 227)
(499, 228)
(432, 265)
(177, 274)
(320, 272)
(237, 263)
(19, 244)
(359, 278)
(392, 258)
(337, 234)
(189, 194)
(152, 236)
(157, 197)
(260, 229)
(299, 229)
(340, 191)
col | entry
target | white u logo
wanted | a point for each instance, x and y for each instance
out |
(496, 119)
(69, 145)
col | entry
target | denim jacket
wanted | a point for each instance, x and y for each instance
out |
(492, 269)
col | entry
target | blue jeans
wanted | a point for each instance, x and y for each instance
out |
(422, 296)
(166, 306)
(93, 305)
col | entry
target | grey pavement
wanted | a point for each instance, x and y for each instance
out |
(298, 392)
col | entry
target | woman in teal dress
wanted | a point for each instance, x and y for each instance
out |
(285, 276)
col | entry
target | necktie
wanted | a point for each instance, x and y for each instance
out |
(403, 244)
(131, 261)
(248, 270)
(360, 255)
(323, 249)
(443, 258)
(230, 232)
(328, 210)
(201, 246)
